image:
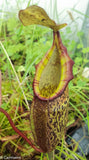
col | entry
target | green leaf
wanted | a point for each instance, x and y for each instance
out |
(81, 83)
(85, 50)
(78, 60)
(79, 46)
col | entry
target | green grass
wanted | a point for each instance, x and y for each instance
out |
(21, 48)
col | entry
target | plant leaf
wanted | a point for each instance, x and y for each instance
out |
(37, 15)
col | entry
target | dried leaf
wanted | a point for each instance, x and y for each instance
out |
(37, 15)
(8, 138)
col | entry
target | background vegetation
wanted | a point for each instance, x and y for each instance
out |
(21, 48)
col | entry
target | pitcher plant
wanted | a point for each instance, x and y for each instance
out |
(49, 109)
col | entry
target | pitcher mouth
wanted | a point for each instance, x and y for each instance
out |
(54, 71)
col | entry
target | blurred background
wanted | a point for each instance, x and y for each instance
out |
(74, 13)
(60, 10)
